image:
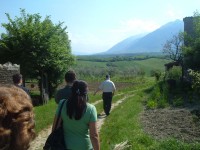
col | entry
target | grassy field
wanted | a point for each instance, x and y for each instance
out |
(124, 125)
(146, 65)
(44, 115)
(124, 122)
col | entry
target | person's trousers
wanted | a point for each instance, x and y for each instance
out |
(107, 100)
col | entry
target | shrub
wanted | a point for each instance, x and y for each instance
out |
(156, 74)
(178, 101)
(174, 73)
(159, 96)
(195, 75)
(151, 104)
(162, 103)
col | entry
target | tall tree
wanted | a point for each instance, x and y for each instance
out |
(174, 46)
(39, 46)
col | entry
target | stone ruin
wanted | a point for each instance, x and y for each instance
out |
(7, 70)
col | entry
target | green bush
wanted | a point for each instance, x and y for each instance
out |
(162, 103)
(156, 74)
(178, 102)
(195, 75)
(152, 104)
(158, 96)
(174, 73)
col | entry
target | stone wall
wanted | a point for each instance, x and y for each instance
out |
(7, 70)
(188, 27)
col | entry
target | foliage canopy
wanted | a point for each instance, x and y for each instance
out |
(38, 46)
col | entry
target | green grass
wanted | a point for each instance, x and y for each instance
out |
(124, 125)
(93, 98)
(147, 65)
(152, 64)
(44, 115)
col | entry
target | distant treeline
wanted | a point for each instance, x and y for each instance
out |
(128, 66)
(122, 57)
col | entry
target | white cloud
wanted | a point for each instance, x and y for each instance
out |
(170, 13)
(173, 13)
(102, 41)
(135, 26)
(87, 43)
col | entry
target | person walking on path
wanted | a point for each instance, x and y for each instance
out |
(17, 80)
(79, 120)
(108, 88)
(64, 93)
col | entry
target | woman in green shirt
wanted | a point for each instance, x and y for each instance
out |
(79, 120)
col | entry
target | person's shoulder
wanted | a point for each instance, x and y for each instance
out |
(106, 81)
(61, 90)
(62, 101)
(90, 106)
(25, 89)
(111, 81)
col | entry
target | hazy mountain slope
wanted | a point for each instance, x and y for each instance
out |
(123, 45)
(152, 42)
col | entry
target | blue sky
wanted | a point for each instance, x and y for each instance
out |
(96, 25)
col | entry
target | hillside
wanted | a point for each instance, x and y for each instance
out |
(96, 67)
(125, 44)
(152, 42)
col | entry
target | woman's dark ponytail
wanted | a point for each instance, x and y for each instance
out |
(77, 102)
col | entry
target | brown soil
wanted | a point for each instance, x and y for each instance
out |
(179, 123)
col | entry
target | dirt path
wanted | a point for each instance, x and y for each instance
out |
(39, 141)
(114, 105)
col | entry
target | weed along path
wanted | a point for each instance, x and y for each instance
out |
(39, 141)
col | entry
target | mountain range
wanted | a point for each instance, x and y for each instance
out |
(151, 42)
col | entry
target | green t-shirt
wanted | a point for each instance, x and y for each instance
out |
(76, 132)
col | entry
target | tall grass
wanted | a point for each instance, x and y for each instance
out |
(124, 125)
(44, 115)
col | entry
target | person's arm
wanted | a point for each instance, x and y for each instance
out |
(114, 89)
(54, 122)
(98, 89)
(113, 93)
(94, 136)
(56, 116)
(57, 97)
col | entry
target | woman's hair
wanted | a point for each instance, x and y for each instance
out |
(77, 102)
(16, 119)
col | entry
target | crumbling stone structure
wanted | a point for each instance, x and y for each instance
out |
(6, 72)
(189, 27)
